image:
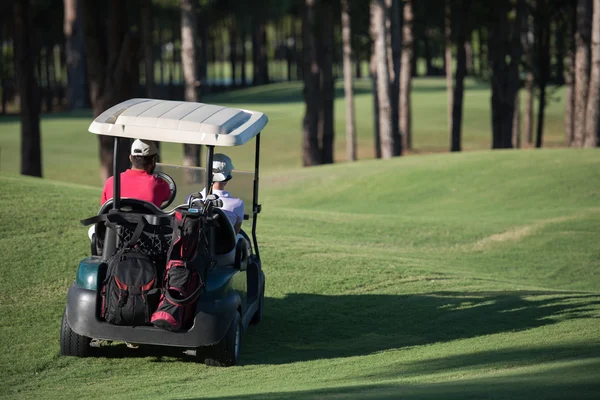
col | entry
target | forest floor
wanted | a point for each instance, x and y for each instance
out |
(467, 276)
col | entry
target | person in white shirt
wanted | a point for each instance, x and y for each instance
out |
(232, 206)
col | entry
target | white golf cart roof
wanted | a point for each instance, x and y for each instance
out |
(179, 122)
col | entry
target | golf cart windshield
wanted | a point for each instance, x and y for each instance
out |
(193, 179)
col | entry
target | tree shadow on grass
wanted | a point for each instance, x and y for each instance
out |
(303, 327)
(570, 381)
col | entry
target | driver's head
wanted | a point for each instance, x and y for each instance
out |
(222, 167)
(143, 155)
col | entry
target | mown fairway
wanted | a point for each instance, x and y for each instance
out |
(472, 275)
(70, 153)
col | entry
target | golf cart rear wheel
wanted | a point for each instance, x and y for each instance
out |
(226, 353)
(257, 317)
(72, 344)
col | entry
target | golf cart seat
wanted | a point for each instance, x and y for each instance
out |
(224, 239)
(156, 237)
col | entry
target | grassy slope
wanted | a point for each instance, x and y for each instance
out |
(455, 276)
(70, 153)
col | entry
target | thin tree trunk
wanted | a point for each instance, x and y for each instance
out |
(243, 56)
(516, 128)
(570, 81)
(592, 117)
(469, 56)
(373, 71)
(378, 11)
(76, 92)
(147, 29)
(203, 70)
(448, 64)
(326, 116)
(529, 80)
(233, 51)
(461, 19)
(48, 59)
(406, 77)
(396, 54)
(543, 58)
(582, 68)
(191, 152)
(311, 154)
(29, 96)
(348, 89)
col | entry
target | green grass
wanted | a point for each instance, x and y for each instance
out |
(70, 153)
(471, 275)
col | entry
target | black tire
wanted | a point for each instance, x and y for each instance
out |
(226, 353)
(72, 344)
(257, 317)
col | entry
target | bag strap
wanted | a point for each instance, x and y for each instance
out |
(186, 300)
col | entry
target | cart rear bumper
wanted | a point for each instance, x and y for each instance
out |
(213, 318)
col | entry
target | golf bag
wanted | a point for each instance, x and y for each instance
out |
(129, 291)
(182, 283)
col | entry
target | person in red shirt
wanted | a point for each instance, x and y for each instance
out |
(138, 182)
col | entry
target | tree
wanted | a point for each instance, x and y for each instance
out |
(542, 53)
(528, 43)
(76, 91)
(504, 58)
(147, 28)
(191, 152)
(112, 56)
(463, 31)
(311, 76)
(406, 76)
(325, 46)
(259, 52)
(448, 62)
(349, 91)
(394, 44)
(582, 68)
(378, 11)
(570, 79)
(31, 153)
(592, 117)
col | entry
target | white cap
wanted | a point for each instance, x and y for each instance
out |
(222, 167)
(143, 148)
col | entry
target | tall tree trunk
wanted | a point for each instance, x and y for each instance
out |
(203, 69)
(448, 64)
(469, 55)
(48, 60)
(529, 79)
(147, 29)
(570, 80)
(394, 35)
(378, 11)
(406, 77)
(29, 96)
(233, 51)
(259, 54)
(112, 61)
(505, 76)
(516, 128)
(543, 62)
(243, 56)
(374, 85)
(311, 154)
(76, 91)
(592, 116)
(582, 68)
(191, 152)
(326, 117)
(462, 22)
(348, 89)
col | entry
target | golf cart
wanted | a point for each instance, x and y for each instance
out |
(232, 294)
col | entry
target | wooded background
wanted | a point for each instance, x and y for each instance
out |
(73, 54)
